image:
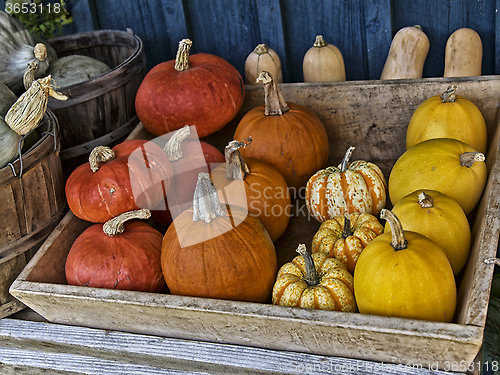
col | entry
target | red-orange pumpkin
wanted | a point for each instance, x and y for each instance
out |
(188, 157)
(132, 175)
(202, 90)
(118, 255)
(218, 251)
(265, 192)
(286, 135)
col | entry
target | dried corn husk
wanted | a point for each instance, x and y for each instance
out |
(29, 109)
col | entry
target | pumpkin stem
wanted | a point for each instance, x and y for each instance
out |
(398, 241)
(319, 42)
(100, 154)
(467, 159)
(116, 225)
(29, 109)
(173, 146)
(347, 232)
(182, 57)
(418, 27)
(261, 49)
(236, 168)
(347, 157)
(206, 204)
(275, 104)
(40, 51)
(311, 276)
(449, 95)
(425, 200)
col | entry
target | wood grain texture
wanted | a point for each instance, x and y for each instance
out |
(43, 346)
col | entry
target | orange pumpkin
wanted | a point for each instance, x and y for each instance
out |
(359, 186)
(286, 135)
(316, 282)
(345, 237)
(265, 192)
(119, 254)
(218, 251)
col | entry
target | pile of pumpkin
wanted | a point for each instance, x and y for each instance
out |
(223, 221)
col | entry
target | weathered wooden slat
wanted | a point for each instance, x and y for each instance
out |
(271, 32)
(43, 345)
(340, 23)
(378, 36)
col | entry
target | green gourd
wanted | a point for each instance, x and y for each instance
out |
(73, 69)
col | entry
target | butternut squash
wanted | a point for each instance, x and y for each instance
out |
(262, 58)
(323, 62)
(407, 54)
(463, 54)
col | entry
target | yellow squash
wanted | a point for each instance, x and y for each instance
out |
(439, 218)
(404, 274)
(448, 116)
(443, 164)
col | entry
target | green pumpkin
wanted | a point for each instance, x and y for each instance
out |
(73, 69)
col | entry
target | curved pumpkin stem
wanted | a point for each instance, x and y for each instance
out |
(425, 200)
(173, 146)
(467, 159)
(347, 157)
(116, 225)
(236, 167)
(399, 241)
(449, 95)
(347, 231)
(311, 276)
(275, 104)
(319, 42)
(29, 75)
(206, 204)
(100, 154)
(182, 57)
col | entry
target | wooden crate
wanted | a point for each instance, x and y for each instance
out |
(370, 115)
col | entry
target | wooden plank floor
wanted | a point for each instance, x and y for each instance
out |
(37, 347)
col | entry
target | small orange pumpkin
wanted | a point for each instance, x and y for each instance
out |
(265, 193)
(218, 251)
(316, 282)
(345, 237)
(359, 186)
(286, 135)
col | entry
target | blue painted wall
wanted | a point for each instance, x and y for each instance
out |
(361, 29)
